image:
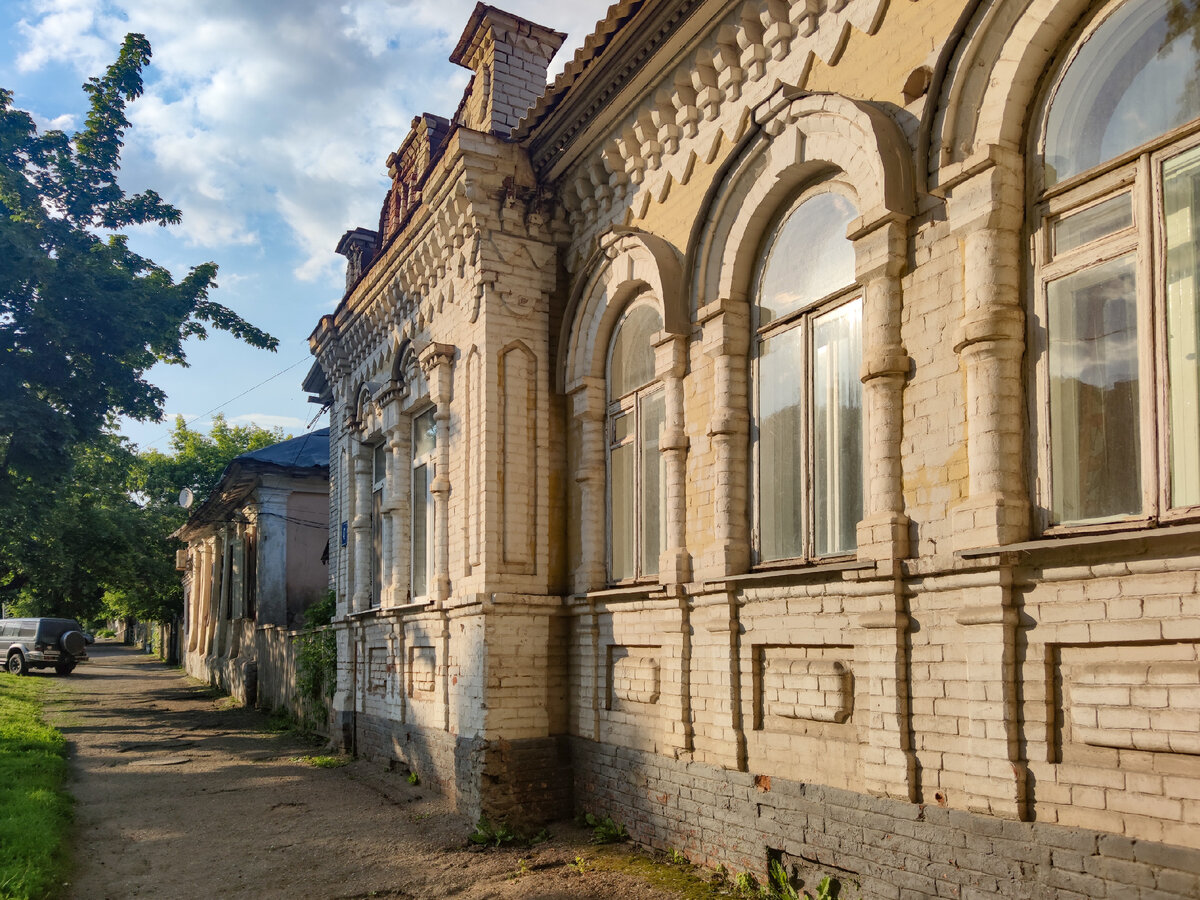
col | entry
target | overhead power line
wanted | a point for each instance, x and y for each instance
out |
(221, 406)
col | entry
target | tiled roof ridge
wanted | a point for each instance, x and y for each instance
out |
(593, 47)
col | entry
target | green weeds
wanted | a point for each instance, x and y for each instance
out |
(605, 830)
(323, 761)
(493, 834)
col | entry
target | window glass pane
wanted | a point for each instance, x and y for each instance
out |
(622, 468)
(1093, 360)
(376, 546)
(809, 257)
(424, 433)
(631, 364)
(1083, 227)
(837, 428)
(1181, 205)
(780, 436)
(622, 427)
(654, 483)
(420, 531)
(380, 463)
(1134, 79)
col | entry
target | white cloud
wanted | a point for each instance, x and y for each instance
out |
(273, 119)
(269, 420)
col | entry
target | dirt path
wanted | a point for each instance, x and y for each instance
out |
(180, 797)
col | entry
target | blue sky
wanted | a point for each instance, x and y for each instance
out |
(267, 123)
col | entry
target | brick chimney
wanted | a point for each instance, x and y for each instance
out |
(509, 56)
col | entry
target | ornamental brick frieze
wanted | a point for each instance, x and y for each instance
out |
(703, 102)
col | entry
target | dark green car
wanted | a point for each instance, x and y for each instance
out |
(42, 643)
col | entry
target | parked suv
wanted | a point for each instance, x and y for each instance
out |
(41, 643)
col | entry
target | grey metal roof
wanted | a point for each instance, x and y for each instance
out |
(306, 456)
(304, 452)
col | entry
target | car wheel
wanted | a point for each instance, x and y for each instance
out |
(72, 642)
(16, 663)
(65, 668)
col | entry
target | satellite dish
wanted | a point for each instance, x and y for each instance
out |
(186, 498)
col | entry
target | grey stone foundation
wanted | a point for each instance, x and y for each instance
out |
(877, 848)
(525, 783)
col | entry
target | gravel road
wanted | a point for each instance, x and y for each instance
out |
(178, 795)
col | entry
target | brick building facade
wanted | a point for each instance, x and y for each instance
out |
(781, 434)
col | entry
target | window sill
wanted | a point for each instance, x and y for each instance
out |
(768, 576)
(627, 592)
(1098, 539)
(386, 611)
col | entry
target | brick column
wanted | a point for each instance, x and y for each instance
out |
(879, 250)
(272, 557)
(192, 624)
(396, 507)
(360, 528)
(889, 766)
(674, 563)
(995, 782)
(986, 212)
(587, 406)
(436, 361)
(718, 737)
(726, 336)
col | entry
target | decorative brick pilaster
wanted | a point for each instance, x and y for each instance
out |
(879, 262)
(436, 362)
(986, 210)
(726, 337)
(587, 405)
(674, 563)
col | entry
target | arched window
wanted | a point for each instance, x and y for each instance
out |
(807, 354)
(634, 423)
(1117, 259)
(424, 442)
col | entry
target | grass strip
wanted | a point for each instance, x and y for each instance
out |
(35, 812)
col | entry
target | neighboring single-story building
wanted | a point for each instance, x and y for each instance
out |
(782, 434)
(256, 559)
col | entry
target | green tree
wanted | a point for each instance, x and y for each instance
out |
(99, 544)
(82, 317)
(67, 542)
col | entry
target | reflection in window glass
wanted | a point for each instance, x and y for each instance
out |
(424, 439)
(636, 416)
(809, 258)
(780, 443)
(1093, 363)
(631, 364)
(424, 433)
(623, 500)
(1181, 202)
(1134, 79)
(653, 524)
(1113, 215)
(420, 531)
(837, 428)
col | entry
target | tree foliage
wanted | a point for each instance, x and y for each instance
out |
(99, 545)
(82, 317)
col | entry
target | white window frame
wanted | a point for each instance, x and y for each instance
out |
(631, 404)
(428, 461)
(802, 318)
(1138, 172)
(379, 452)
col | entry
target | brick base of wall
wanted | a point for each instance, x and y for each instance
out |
(877, 848)
(525, 783)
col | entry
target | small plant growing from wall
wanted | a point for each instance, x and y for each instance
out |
(414, 778)
(316, 655)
